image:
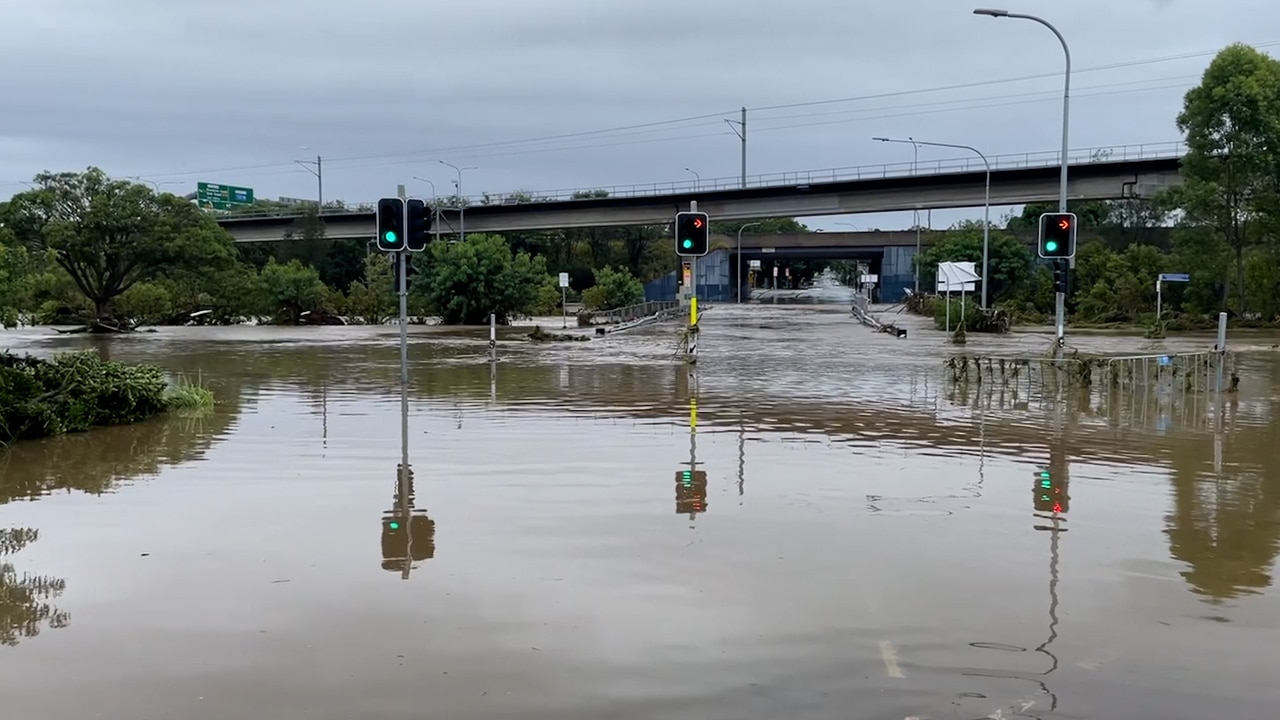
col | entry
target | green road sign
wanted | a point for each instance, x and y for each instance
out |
(213, 196)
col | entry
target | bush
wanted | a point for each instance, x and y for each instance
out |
(74, 392)
(613, 289)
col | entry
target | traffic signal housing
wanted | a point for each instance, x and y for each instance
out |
(417, 231)
(391, 225)
(693, 234)
(1058, 235)
(407, 537)
(1061, 277)
(691, 492)
(1050, 493)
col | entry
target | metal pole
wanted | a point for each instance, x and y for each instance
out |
(564, 310)
(1060, 300)
(404, 318)
(738, 279)
(697, 179)
(493, 337)
(744, 147)
(1222, 347)
(320, 182)
(915, 159)
(462, 210)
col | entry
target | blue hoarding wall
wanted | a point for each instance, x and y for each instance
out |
(897, 274)
(715, 280)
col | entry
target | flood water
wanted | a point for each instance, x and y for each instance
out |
(870, 542)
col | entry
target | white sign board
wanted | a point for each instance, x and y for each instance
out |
(957, 277)
(870, 279)
(753, 264)
(564, 280)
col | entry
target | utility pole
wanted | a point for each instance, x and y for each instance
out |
(318, 171)
(739, 128)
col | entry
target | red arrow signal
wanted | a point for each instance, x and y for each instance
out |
(697, 222)
(1064, 223)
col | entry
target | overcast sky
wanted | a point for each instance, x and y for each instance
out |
(232, 91)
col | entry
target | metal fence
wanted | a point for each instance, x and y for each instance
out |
(635, 312)
(944, 166)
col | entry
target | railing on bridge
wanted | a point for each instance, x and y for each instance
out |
(635, 312)
(944, 166)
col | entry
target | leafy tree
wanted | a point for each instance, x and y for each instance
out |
(1009, 261)
(110, 234)
(373, 299)
(17, 277)
(763, 226)
(466, 281)
(1232, 124)
(613, 289)
(292, 289)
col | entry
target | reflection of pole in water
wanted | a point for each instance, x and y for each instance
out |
(407, 535)
(691, 484)
(1052, 501)
(742, 458)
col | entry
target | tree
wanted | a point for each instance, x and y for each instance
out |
(110, 234)
(17, 273)
(1009, 260)
(466, 281)
(1232, 123)
(292, 289)
(373, 299)
(614, 289)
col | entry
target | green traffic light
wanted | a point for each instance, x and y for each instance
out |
(389, 236)
(394, 525)
(1051, 246)
(688, 243)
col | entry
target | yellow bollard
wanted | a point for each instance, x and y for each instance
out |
(693, 311)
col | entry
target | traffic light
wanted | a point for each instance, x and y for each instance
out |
(1058, 235)
(1050, 493)
(1061, 277)
(391, 229)
(691, 492)
(693, 234)
(417, 231)
(407, 537)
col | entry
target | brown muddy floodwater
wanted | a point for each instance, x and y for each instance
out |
(870, 542)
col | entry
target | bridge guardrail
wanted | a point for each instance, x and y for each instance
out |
(943, 166)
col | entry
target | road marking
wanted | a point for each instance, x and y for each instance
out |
(890, 657)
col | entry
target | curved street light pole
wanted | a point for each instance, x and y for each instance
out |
(1060, 299)
(738, 280)
(697, 183)
(986, 203)
(462, 221)
(915, 214)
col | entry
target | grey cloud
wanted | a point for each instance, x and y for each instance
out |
(156, 86)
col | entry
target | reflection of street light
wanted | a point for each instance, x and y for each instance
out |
(986, 203)
(697, 181)
(739, 278)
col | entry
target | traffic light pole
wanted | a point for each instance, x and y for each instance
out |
(1060, 314)
(402, 260)
(693, 303)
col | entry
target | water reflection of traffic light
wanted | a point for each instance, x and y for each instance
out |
(691, 483)
(408, 534)
(1051, 494)
(691, 492)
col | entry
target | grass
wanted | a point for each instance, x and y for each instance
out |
(186, 394)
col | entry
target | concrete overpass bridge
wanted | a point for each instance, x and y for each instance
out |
(1095, 174)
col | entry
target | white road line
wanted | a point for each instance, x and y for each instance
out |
(890, 658)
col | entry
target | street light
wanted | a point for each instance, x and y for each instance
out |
(153, 183)
(435, 210)
(915, 214)
(1061, 299)
(462, 220)
(697, 182)
(848, 224)
(986, 203)
(739, 278)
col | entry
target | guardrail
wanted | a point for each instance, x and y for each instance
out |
(944, 166)
(635, 312)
